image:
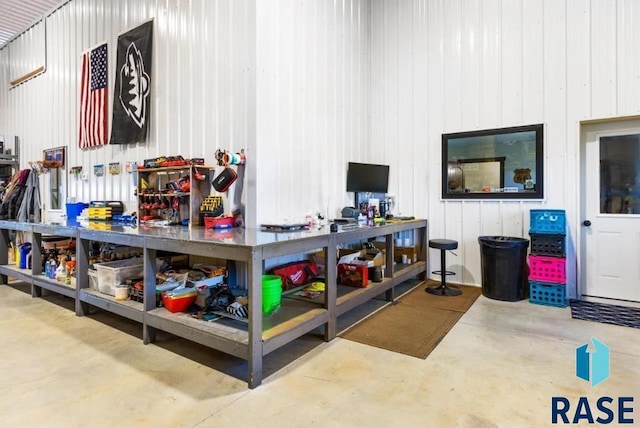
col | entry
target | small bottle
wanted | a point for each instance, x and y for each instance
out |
(52, 269)
(362, 219)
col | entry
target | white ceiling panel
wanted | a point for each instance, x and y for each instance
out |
(18, 15)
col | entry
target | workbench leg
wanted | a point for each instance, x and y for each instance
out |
(331, 291)
(255, 351)
(82, 276)
(5, 246)
(149, 299)
(148, 334)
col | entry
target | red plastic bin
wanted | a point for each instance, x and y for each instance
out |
(548, 269)
(178, 304)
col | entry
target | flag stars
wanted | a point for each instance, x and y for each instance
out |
(99, 68)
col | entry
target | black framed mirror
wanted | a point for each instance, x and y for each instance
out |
(54, 160)
(503, 163)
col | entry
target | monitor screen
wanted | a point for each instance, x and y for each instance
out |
(366, 177)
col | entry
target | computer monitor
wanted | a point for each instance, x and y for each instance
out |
(365, 177)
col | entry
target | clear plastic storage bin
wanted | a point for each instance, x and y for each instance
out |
(112, 274)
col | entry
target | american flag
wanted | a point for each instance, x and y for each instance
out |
(93, 98)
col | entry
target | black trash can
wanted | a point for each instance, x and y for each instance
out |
(504, 267)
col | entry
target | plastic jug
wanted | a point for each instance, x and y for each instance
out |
(25, 250)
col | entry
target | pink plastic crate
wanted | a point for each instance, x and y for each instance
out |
(547, 269)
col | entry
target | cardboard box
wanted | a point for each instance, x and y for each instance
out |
(411, 252)
(318, 259)
(380, 245)
(353, 275)
(318, 256)
(176, 261)
(346, 252)
(374, 258)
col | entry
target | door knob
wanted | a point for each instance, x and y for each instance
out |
(586, 223)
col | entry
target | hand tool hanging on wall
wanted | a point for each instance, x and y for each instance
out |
(226, 158)
(228, 176)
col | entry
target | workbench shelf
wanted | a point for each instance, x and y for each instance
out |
(249, 250)
(41, 281)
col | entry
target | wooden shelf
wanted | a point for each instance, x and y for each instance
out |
(152, 182)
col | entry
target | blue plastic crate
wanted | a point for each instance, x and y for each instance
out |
(548, 222)
(542, 293)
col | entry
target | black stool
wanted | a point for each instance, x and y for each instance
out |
(443, 245)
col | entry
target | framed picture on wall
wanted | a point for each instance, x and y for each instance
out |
(54, 158)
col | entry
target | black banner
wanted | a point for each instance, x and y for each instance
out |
(131, 97)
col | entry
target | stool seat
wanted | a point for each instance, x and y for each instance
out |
(443, 245)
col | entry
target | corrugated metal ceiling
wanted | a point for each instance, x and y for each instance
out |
(18, 15)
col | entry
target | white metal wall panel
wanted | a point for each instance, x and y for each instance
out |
(471, 60)
(391, 115)
(312, 105)
(468, 254)
(27, 51)
(202, 84)
(435, 119)
(490, 65)
(501, 63)
(603, 59)
(418, 126)
(453, 69)
(578, 108)
(532, 61)
(628, 35)
(511, 59)
(555, 107)
(377, 60)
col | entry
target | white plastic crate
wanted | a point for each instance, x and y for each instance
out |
(93, 279)
(112, 274)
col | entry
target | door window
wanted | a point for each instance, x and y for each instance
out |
(620, 174)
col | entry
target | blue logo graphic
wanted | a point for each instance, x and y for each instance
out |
(593, 366)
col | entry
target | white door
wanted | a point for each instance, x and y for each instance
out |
(610, 256)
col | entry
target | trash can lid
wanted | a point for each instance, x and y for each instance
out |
(503, 241)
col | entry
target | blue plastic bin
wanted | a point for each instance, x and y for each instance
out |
(74, 210)
(547, 222)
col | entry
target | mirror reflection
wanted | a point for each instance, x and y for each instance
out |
(476, 175)
(493, 164)
(54, 186)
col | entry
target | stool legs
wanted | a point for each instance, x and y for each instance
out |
(442, 289)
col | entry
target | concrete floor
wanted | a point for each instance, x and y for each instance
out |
(499, 366)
